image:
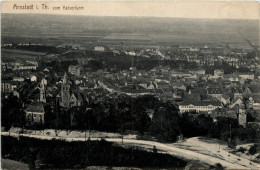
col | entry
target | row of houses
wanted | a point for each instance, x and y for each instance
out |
(19, 65)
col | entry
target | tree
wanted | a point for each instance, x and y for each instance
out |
(141, 120)
(221, 129)
(252, 151)
(165, 125)
(12, 112)
(123, 116)
(49, 117)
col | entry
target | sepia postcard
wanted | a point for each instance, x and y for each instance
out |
(130, 84)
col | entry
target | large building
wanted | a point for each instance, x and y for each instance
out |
(215, 92)
(74, 70)
(27, 66)
(35, 113)
(6, 86)
(247, 75)
(199, 106)
(99, 48)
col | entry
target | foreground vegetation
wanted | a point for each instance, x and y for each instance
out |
(162, 122)
(62, 154)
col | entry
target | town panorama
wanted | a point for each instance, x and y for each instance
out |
(129, 92)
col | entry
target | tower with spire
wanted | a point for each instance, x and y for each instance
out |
(43, 85)
(65, 92)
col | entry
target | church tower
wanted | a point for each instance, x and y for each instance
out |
(65, 92)
(43, 85)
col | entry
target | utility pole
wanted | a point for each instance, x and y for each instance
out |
(230, 138)
(89, 129)
(122, 137)
(218, 147)
(85, 132)
(230, 130)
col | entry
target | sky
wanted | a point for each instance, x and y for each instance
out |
(176, 9)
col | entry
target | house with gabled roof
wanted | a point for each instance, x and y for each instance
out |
(246, 91)
(215, 92)
(254, 88)
(163, 85)
(246, 75)
(237, 101)
(225, 99)
(151, 85)
(197, 94)
(35, 113)
(237, 92)
(224, 112)
(76, 99)
(254, 102)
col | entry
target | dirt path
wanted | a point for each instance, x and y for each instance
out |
(13, 165)
(199, 152)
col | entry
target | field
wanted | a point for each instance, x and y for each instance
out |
(19, 54)
(56, 30)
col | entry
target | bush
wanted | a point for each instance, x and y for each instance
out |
(253, 149)
(165, 126)
(241, 149)
(219, 166)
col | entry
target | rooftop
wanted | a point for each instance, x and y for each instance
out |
(200, 103)
(35, 107)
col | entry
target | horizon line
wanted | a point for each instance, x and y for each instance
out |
(168, 17)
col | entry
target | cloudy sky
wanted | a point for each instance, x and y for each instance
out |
(179, 9)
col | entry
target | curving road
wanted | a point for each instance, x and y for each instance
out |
(230, 162)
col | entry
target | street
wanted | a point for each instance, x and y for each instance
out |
(205, 153)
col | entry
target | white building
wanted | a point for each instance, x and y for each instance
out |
(248, 75)
(33, 78)
(20, 79)
(218, 73)
(199, 106)
(99, 48)
(74, 70)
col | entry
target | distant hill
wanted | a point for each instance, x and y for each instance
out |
(158, 30)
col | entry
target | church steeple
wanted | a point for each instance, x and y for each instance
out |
(43, 85)
(65, 78)
(65, 92)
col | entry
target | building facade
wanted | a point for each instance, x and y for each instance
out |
(199, 106)
(35, 113)
(74, 70)
(99, 48)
